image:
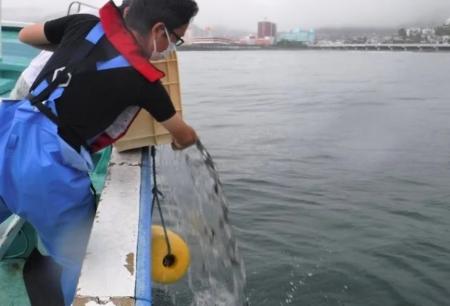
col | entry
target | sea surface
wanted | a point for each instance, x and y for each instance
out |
(336, 166)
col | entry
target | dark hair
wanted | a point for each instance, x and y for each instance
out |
(124, 5)
(144, 14)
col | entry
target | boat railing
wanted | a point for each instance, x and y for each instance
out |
(74, 8)
(77, 6)
(14, 24)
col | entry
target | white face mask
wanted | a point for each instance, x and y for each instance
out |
(156, 55)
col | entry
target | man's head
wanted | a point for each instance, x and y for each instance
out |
(157, 21)
(124, 5)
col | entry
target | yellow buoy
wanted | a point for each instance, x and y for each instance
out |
(168, 269)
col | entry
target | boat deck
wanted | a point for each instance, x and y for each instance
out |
(15, 57)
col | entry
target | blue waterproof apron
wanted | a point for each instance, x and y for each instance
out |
(43, 179)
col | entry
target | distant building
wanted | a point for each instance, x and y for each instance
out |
(429, 35)
(255, 41)
(418, 35)
(428, 32)
(413, 32)
(266, 41)
(194, 32)
(188, 36)
(444, 30)
(298, 35)
(248, 40)
(266, 29)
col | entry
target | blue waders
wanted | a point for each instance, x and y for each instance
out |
(43, 179)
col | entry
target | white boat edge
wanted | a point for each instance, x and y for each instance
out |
(116, 272)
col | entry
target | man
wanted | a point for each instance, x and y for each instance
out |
(84, 99)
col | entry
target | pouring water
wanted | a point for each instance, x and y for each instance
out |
(195, 206)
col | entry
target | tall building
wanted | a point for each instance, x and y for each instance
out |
(299, 35)
(267, 29)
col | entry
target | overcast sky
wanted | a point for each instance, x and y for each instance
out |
(244, 14)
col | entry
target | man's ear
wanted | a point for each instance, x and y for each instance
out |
(158, 30)
(125, 11)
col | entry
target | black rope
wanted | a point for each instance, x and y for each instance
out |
(93, 190)
(206, 156)
(209, 163)
(169, 259)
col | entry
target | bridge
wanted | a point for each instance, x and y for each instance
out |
(212, 41)
(383, 47)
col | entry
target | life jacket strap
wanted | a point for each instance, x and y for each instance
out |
(61, 78)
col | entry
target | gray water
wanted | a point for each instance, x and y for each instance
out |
(336, 166)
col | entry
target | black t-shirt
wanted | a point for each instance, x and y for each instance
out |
(94, 99)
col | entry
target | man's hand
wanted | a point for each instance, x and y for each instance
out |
(183, 135)
(176, 147)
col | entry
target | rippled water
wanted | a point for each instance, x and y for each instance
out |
(336, 166)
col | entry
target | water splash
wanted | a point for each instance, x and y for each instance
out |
(195, 206)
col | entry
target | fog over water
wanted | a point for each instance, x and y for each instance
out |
(286, 13)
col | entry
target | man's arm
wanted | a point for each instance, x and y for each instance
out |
(34, 35)
(183, 135)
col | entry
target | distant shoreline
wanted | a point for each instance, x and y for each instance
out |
(348, 47)
(236, 48)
